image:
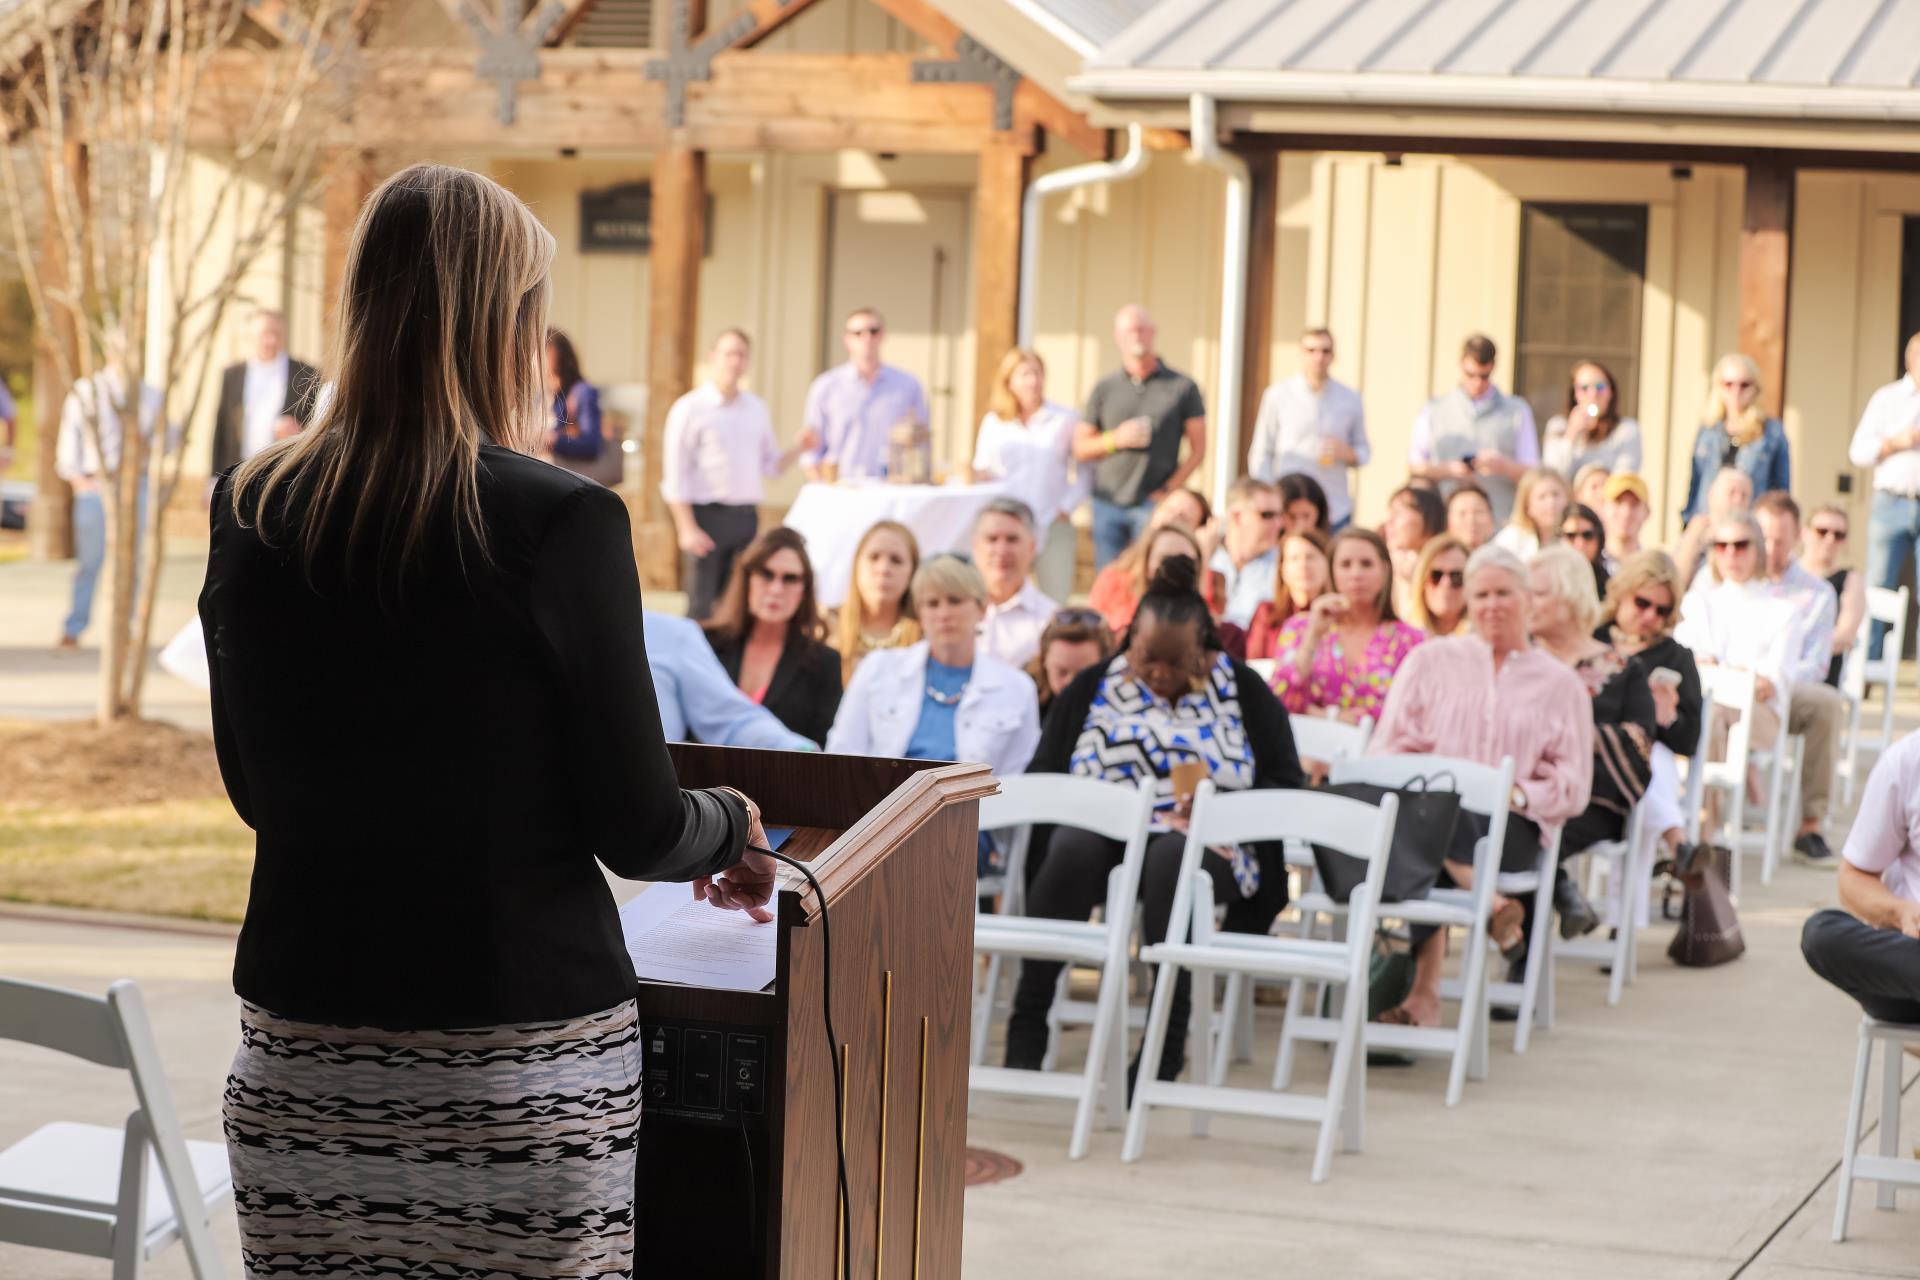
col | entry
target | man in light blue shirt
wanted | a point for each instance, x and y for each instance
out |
(1249, 553)
(698, 701)
(1312, 425)
(854, 407)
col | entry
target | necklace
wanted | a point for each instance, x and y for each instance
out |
(947, 699)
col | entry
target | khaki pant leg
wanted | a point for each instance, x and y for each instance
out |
(1818, 714)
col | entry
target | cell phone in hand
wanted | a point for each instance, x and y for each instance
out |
(1666, 677)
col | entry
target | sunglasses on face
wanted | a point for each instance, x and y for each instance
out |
(1590, 386)
(767, 575)
(1077, 617)
(1732, 544)
(1581, 534)
(870, 331)
(1452, 577)
(1828, 531)
(1269, 515)
(1645, 605)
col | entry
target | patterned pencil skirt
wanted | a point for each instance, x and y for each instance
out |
(496, 1152)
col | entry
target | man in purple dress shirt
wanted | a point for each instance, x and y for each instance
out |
(855, 406)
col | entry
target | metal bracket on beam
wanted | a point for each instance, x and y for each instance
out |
(687, 63)
(974, 63)
(509, 49)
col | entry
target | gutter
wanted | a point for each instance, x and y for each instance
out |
(1130, 165)
(1235, 247)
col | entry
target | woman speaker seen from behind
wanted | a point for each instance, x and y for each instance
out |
(431, 702)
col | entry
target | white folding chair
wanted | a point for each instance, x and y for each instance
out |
(1326, 739)
(1118, 813)
(1262, 667)
(1889, 1168)
(1733, 690)
(1483, 790)
(1781, 760)
(1860, 673)
(1350, 826)
(123, 1194)
(1627, 875)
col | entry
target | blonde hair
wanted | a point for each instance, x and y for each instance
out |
(1753, 419)
(1637, 572)
(949, 573)
(1001, 400)
(851, 626)
(1571, 577)
(1532, 480)
(1436, 547)
(438, 349)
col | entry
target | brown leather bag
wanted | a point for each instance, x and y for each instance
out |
(1709, 931)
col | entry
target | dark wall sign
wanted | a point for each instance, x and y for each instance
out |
(620, 220)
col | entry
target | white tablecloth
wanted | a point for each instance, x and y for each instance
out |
(833, 517)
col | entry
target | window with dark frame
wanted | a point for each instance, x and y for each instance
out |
(1582, 274)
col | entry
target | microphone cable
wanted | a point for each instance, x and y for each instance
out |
(833, 1053)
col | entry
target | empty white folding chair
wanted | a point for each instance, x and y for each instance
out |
(1732, 690)
(1118, 813)
(1483, 790)
(123, 1194)
(1781, 762)
(1889, 1168)
(1325, 739)
(1859, 673)
(1627, 875)
(1349, 826)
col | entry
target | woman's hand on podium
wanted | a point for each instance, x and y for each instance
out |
(748, 884)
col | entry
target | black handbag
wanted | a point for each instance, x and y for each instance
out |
(1423, 837)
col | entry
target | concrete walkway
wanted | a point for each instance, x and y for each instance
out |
(1690, 1132)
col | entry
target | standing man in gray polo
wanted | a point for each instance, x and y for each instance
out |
(855, 406)
(1131, 432)
(1312, 425)
(1476, 433)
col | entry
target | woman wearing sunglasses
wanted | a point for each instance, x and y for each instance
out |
(1735, 431)
(1591, 431)
(1641, 610)
(769, 635)
(1581, 529)
(1440, 606)
(1821, 543)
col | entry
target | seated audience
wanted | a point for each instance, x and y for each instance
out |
(1590, 431)
(1190, 508)
(1642, 606)
(1075, 640)
(1483, 696)
(1539, 505)
(1303, 503)
(1004, 542)
(1249, 553)
(770, 638)
(1340, 656)
(1590, 485)
(1730, 491)
(1815, 709)
(1440, 606)
(1117, 589)
(941, 698)
(1820, 547)
(1470, 516)
(1026, 441)
(1306, 574)
(1730, 619)
(1170, 696)
(1415, 516)
(1624, 508)
(1871, 949)
(1581, 530)
(878, 613)
(698, 700)
(1563, 613)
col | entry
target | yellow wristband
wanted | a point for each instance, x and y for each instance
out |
(1111, 446)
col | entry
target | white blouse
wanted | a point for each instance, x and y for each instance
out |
(1035, 461)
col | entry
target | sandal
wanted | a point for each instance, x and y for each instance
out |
(1504, 927)
(1396, 1017)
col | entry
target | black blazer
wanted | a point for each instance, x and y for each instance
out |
(1275, 764)
(805, 690)
(303, 385)
(432, 779)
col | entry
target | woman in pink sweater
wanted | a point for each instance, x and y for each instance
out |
(1481, 697)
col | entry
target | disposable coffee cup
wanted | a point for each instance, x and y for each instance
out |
(1187, 777)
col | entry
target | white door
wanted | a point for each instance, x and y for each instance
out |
(906, 254)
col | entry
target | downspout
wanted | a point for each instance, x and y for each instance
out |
(1233, 293)
(1130, 165)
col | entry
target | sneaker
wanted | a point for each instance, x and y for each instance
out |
(1810, 850)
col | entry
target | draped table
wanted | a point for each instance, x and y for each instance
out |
(833, 518)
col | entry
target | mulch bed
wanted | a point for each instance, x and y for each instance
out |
(77, 764)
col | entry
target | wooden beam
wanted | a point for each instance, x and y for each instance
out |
(768, 17)
(1032, 103)
(350, 180)
(1256, 351)
(1766, 260)
(673, 320)
(996, 266)
(925, 21)
(573, 12)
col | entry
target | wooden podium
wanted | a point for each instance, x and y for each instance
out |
(737, 1161)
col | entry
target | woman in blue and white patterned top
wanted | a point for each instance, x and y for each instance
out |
(1170, 697)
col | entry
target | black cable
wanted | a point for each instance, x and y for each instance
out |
(833, 1053)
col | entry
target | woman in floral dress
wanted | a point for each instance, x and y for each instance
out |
(1339, 657)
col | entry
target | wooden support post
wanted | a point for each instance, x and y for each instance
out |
(1766, 260)
(673, 319)
(1256, 350)
(50, 521)
(996, 265)
(350, 180)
